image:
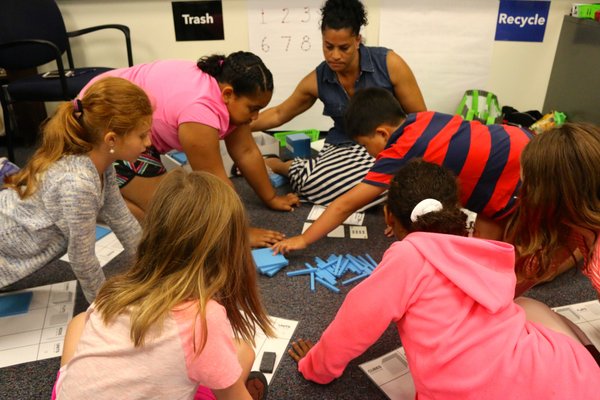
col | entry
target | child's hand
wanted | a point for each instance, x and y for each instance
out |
(284, 203)
(389, 231)
(287, 245)
(263, 237)
(300, 349)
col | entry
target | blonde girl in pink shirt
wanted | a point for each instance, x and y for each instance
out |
(451, 298)
(178, 323)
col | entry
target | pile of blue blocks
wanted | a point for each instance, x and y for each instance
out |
(267, 263)
(327, 273)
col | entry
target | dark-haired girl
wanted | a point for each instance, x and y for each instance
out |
(195, 106)
(451, 298)
(349, 65)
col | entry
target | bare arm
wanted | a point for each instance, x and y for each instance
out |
(405, 84)
(243, 150)
(201, 146)
(303, 97)
(335, 214)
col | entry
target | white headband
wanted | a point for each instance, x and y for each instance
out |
(424, 207)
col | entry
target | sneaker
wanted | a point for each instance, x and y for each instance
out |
(257, 385)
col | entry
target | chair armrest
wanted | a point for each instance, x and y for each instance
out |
(122, 28)
(46, 43)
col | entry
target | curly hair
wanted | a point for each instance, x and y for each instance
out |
(341, 14)
(419, 180)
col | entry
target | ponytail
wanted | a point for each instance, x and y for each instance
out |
(244, 71)
(110, 104)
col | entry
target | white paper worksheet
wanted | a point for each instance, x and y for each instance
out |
(107, 248)
(284, 329)
(355, 219)
(38, 334)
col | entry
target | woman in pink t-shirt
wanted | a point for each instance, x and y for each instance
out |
(181, 320)
(451, 298)
(197, 104)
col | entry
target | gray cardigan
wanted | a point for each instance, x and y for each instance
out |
(61, 216)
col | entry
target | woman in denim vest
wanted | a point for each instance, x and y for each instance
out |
(349, 65)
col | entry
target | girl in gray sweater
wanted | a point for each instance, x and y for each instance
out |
(51, 206)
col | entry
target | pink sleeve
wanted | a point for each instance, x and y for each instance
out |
(365, 314)
(206, 113)
(217, 366)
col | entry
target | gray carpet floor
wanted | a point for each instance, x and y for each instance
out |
(286, 297)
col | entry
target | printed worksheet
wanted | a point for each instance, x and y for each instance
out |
(38, 331)
(390, 372)
(586, 316)
(107, 245)
(284, 329)
(355, 219)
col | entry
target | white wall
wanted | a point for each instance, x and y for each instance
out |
(519, 74)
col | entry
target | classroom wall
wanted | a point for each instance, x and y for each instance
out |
(519, 73)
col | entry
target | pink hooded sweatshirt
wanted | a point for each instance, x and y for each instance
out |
(451, 298)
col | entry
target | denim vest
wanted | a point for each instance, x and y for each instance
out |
(373, 73)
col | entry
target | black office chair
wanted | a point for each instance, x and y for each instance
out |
(33, 33)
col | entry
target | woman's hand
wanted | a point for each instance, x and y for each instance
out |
(286, 202)
(300, 349)
(287, 245)
(264, 237)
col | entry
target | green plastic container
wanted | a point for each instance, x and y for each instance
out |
(313, 134)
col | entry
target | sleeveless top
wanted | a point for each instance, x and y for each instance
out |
(373, 73)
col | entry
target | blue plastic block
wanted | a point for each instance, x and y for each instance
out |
(312, 282)
(179, 156)
(320, 262)
(326, 275)
(264, 258)
(373, 262)
(327, 284)
(15, 303)
(277, 180)
(302, 272)
(355, 278)
(298, 144)
(101, 232)
(344, 267)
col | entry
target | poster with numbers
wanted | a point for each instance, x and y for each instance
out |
(286, 35)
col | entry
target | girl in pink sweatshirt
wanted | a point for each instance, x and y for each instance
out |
(451, 298)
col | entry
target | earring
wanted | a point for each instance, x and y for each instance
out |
(112, 150)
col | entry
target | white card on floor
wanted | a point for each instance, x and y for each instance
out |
(358, 232)
(336, 233)
(305, 227)
(355, 219)
(107, 247)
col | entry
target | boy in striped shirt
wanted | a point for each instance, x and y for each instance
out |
(485, 160)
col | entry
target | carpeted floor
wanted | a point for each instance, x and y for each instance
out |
(284, 297)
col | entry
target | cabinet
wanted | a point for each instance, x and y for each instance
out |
(574, 86)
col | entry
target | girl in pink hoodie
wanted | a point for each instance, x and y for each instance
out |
(451, 298)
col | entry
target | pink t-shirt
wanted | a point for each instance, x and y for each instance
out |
(452, 300)
(106, 364)
(180, 92)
